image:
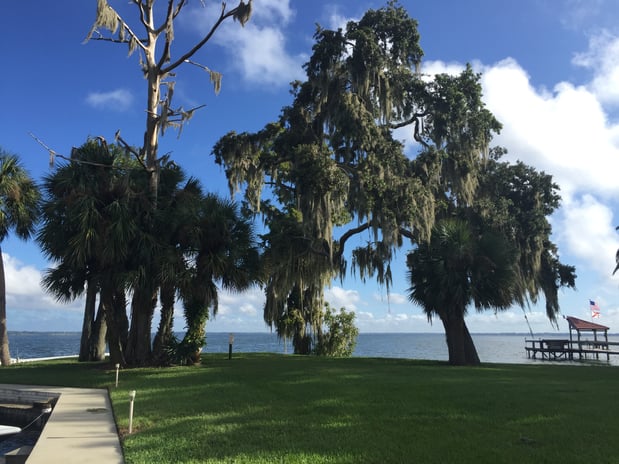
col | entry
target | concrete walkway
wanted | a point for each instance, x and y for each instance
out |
(81, 428)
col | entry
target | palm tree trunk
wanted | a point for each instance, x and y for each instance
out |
(196, 315)
(5, 355)
(454, 334)
(470, 352)
(166, 323)
(116, 337)
(139, 352)
(97, 341)
(87, 324)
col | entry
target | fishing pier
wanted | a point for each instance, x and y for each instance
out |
(576, 347)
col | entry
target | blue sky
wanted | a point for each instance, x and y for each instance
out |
(550, 75)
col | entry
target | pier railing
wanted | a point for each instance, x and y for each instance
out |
(557, 349)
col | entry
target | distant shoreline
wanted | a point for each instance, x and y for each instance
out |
(523, 334)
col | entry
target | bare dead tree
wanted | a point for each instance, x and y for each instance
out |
(159, 69)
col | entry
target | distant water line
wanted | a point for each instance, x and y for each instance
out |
(492, 348)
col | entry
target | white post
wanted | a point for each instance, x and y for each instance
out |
(117, 367)
(131, 399)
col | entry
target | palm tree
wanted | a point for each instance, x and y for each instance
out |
(19, 211)
(457, 268)
(175, 221)
(160, 260)
(87, 228)
(221, 250)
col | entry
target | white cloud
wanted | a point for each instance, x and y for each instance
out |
(391, 298)
(567, 133)
(29, 307)
(118, 100)
(248, 303)
(21, 280)
(431, 68)
(262, 56)
(257, 50)
(603, 59)
(273, 10)
(587, 229)
(339, 297)
(564, 133)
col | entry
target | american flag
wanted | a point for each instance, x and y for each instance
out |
(595, 309)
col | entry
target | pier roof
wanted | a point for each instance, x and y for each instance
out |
(579, 324)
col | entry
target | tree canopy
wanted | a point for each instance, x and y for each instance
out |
(19, 210)
(100, 230)
(151, 36)
(332, 168)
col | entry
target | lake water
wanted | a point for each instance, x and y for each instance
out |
(492, 348)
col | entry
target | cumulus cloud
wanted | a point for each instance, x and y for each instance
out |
(602, 58)
(117, 100)
(259, 48)
(244, 304)
(391, 298)
(21, 279)
(567, 132)
(588, 217)
(273, 10)
(23, 288)
(431, 68)
(263, 58)
(564, 132)
(342, 298)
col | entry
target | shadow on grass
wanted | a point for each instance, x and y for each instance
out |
(268, 408)
(293, 409)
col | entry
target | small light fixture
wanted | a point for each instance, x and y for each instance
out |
(131, 400)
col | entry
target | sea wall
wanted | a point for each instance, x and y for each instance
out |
(14, 396)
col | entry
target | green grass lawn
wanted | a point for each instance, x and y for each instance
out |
(288, 409)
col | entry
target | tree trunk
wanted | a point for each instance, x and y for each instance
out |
(454, 334)
(151, 136)
(97, 341)
(139, 352)
(301, 340)
(462, 351)
(116, 324)
(88, 322)
(470, 352)
(166, 323)
(5, 355)
(196, 315)
(194, 341)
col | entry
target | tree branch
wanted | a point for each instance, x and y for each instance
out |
(113, 40)
(345, 236)
(222, 17)
(180, 6)
(130, 149)
(408, 234)
(54, 154)
(123, 25)
(167, 25)
(142, 13)
(408, 122)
